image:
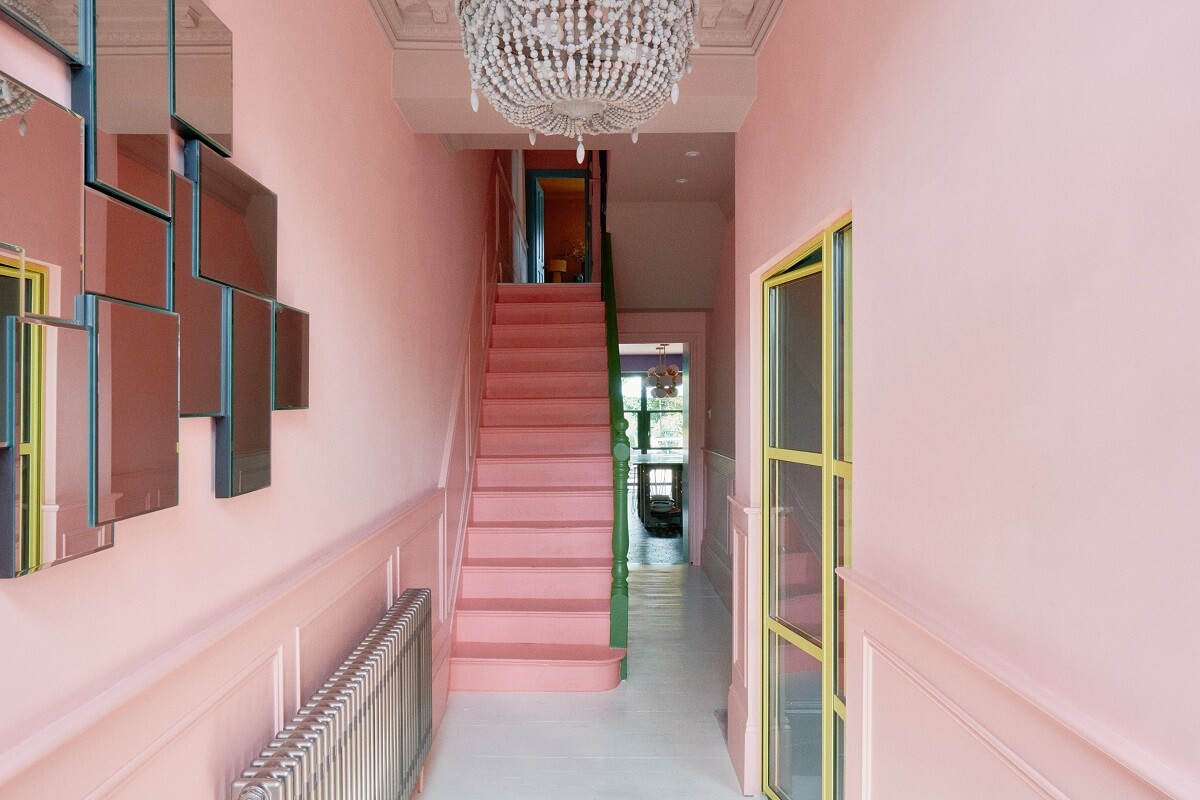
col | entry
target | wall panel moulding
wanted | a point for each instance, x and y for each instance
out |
(130, 295)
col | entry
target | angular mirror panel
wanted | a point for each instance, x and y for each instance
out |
(125, 251)
(12, 272)
(41, 188)
(130, 100)
(53, 22)
(198, 304)
(244, 434)
(45, 474)
(135, 411)
(238, 223)
(203, 91)
(291, 358)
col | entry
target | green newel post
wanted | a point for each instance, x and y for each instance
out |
(619, 603)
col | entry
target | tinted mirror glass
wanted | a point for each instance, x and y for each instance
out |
(41, 188)
(244, 433)
(44, 475)
(238, 223)
(198, 304)
(125, 251)
(132, 99)
(291, 358)
(203, 98)
(55, 22)
(136, 412)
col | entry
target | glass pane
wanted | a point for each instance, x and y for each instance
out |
(839, 675)
(198, 304)
(137, 410)
(841, 505)
(794, 722)
(631, 392)
(132, 99)
(41, 204)
(204, 73)
(839, 763)
(666, 430)
(632, 431)
(238, 223)
(795, 552)
(796, 364)
(57, 23)
(244, 435)
(842, 355)
(125, 252)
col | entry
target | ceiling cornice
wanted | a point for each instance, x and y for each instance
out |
(736, 27)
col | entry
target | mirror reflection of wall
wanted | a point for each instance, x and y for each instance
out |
(41, 187)
(198, 304)
(244, 433)
(132, 99)
(54, 21)
(125, 251)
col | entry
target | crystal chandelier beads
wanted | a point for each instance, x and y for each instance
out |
(576, 67)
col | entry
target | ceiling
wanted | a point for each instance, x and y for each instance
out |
(649, 171)
(673, 349)
(431, 84)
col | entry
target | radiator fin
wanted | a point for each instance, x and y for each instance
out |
(365, 733)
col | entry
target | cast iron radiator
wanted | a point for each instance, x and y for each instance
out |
(364, 735)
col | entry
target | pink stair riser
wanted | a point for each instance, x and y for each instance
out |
(547, 542)
(523, 505)
(548, 626)
(490, 674)
(546, 386)
(548, 293)
(592, 440)
(548, 313)
(589, 334)
(495, 472)
(534, 582)
(803, 610)
(548, 359)
(566, 411)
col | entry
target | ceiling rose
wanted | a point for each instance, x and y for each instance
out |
(575, 67)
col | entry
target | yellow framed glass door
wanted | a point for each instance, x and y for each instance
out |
(806, 485)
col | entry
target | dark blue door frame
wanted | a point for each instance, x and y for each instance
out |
(535, 218)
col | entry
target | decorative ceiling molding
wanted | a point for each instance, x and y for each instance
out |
(736, 27)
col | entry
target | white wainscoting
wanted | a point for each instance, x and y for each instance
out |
(934, 716)
(715, 555)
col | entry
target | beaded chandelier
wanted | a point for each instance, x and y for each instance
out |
(575, 67)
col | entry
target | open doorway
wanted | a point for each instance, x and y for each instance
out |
(654, 389)
(559, 225)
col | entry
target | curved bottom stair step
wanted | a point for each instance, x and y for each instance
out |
(488, 667)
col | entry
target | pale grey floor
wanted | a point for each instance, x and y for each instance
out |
(657, 736)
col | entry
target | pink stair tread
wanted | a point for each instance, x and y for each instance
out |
(533, 605)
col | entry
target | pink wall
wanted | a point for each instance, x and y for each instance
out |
(380, 234)
(1023, 179)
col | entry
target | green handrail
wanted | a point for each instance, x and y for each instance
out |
(619, 603)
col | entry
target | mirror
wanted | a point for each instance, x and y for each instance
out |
(238, 223)
(198, 304)
(130, 100)
(41, 188)
(44, 476)
(125, 251)
(244, 434)
(55, 23)
(203, 91)
(291, 358)
(135, 412)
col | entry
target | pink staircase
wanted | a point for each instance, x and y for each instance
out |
(532, 613)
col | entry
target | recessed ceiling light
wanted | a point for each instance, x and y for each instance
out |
(681, 180)
(692, 154)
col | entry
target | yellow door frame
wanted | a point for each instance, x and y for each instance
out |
(32, 442)
(833, 265)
